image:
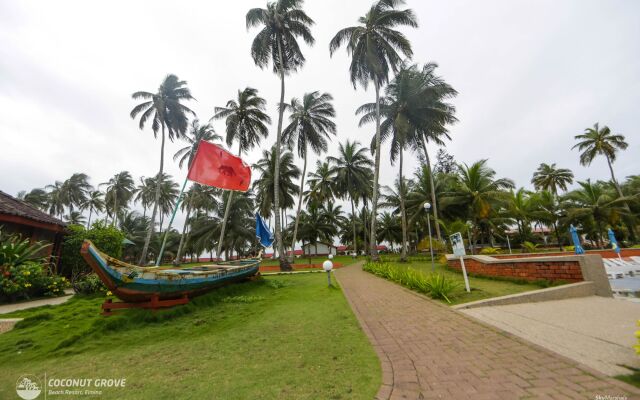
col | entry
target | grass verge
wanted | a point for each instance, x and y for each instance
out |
(284, 337)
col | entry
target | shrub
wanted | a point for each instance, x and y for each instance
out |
(569, 248)
(106, 238)
(491, 250)
(530, 247)
(27, 280)
(88, 284)
(437, 286)
(15, 251)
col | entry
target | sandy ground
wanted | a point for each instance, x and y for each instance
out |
(596, 331)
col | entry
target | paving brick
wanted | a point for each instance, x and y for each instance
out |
(429, 351)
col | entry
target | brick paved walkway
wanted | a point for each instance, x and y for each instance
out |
(428, 350)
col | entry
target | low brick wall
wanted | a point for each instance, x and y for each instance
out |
(531, 270)
(603, 253)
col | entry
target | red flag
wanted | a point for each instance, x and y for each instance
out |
(214, 166)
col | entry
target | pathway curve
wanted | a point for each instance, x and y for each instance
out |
(428, 350)
(50, 301)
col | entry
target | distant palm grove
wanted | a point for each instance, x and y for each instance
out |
(412, 111)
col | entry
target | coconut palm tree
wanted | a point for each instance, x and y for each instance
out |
(548, 177)
(322, 183)
(168, 114)
(282, 22)
(477, 191)
(396, 199)
(198, 198)
(56, 198)
(375, 48)
(74, 218)
(547, 209)
(120, 190)
(388, 228)
(94, 203)
(145, 193)
(196, 134)
(75, 190)
(35, 197)
(596, 141)
(317, 225)
(246, 123)
(519, 207)
(353, 167)
(263, 186)
(310, 126)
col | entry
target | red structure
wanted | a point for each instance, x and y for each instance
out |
(18, 217)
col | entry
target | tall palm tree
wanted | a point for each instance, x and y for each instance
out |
(94, 203)
(56, 198)
(316, 225)
(547, 209)
(198, 198)
(548, 177)
(283, 22)
(246, 123)
(120, 190)
(169, 116)
(196, 134)
(353, 167)
(413, 109)
(388, 228)
(145, 193)
(74, 218)
(75, 190)
(594, 142)
(322, 183)
(374, 46)
(310, 126)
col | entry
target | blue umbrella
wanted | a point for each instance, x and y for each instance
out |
(576, 240)
(263, 233)
(614, 242)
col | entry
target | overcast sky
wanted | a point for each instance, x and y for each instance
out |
(531, 75)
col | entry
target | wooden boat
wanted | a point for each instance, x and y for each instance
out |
(155, 287)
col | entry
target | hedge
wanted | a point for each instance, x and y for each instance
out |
(106, 238)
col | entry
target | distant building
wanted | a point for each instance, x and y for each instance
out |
(18, 217)
(319, 249)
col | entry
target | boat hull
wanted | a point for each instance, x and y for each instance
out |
(134, 284)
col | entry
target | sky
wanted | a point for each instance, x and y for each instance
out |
(530, 76)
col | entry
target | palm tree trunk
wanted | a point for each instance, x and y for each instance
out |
(115, 208)
(295, 227)
(632, 233)
(145, 248)
(403, 215)
(376, 175)
(364, 230)
(434, 203)
(224, 223)
(353, 223)
(184, 232)
(284, 264)
(555, 228)
(89, 221)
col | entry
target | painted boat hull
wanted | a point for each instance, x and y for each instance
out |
(139, 284)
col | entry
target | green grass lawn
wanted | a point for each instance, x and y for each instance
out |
(282, 337)
(481, 288)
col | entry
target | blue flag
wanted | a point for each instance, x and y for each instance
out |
(576, 240)
(614, 242)
(263, 233)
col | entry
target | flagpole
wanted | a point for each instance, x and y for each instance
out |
(175, 210)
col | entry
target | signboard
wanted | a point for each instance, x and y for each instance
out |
(458, 244)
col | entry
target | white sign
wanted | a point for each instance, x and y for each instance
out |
(458, 244)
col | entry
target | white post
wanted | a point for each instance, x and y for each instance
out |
(509, 244)
(464, 273)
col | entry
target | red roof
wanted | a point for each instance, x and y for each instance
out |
(10, 206)
(381, 247)
(342, 248)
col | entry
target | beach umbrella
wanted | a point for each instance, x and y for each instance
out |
(576, 240)
(614, 242)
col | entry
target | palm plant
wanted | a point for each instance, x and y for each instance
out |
(94, 203)
(196, 134)
(316, 224)
(75, 218)
(135, 227)
(169, 116)
(596, 141)
(35, 197)
(353, 167)
(519, 207)
(263, 186)
(547, 209)
(414, 110)
(374, 46)
(169, 190)
(594, 205)
(246, 123)
(120, 190)
(198, 198)
(145, 193)
(388, 228)
(395, 198)
(322, 186)
(548, 177)
(283, 22)
(478, 192)
(56, 199)
(310, 126)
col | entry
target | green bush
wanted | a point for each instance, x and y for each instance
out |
(15, 251)
(530, 247)
(88, 284)
(491, 250)
(569, 248)
(28, 280)
(437, 286)
(106, 238)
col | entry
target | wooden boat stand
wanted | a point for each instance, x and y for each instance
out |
(154, 304)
